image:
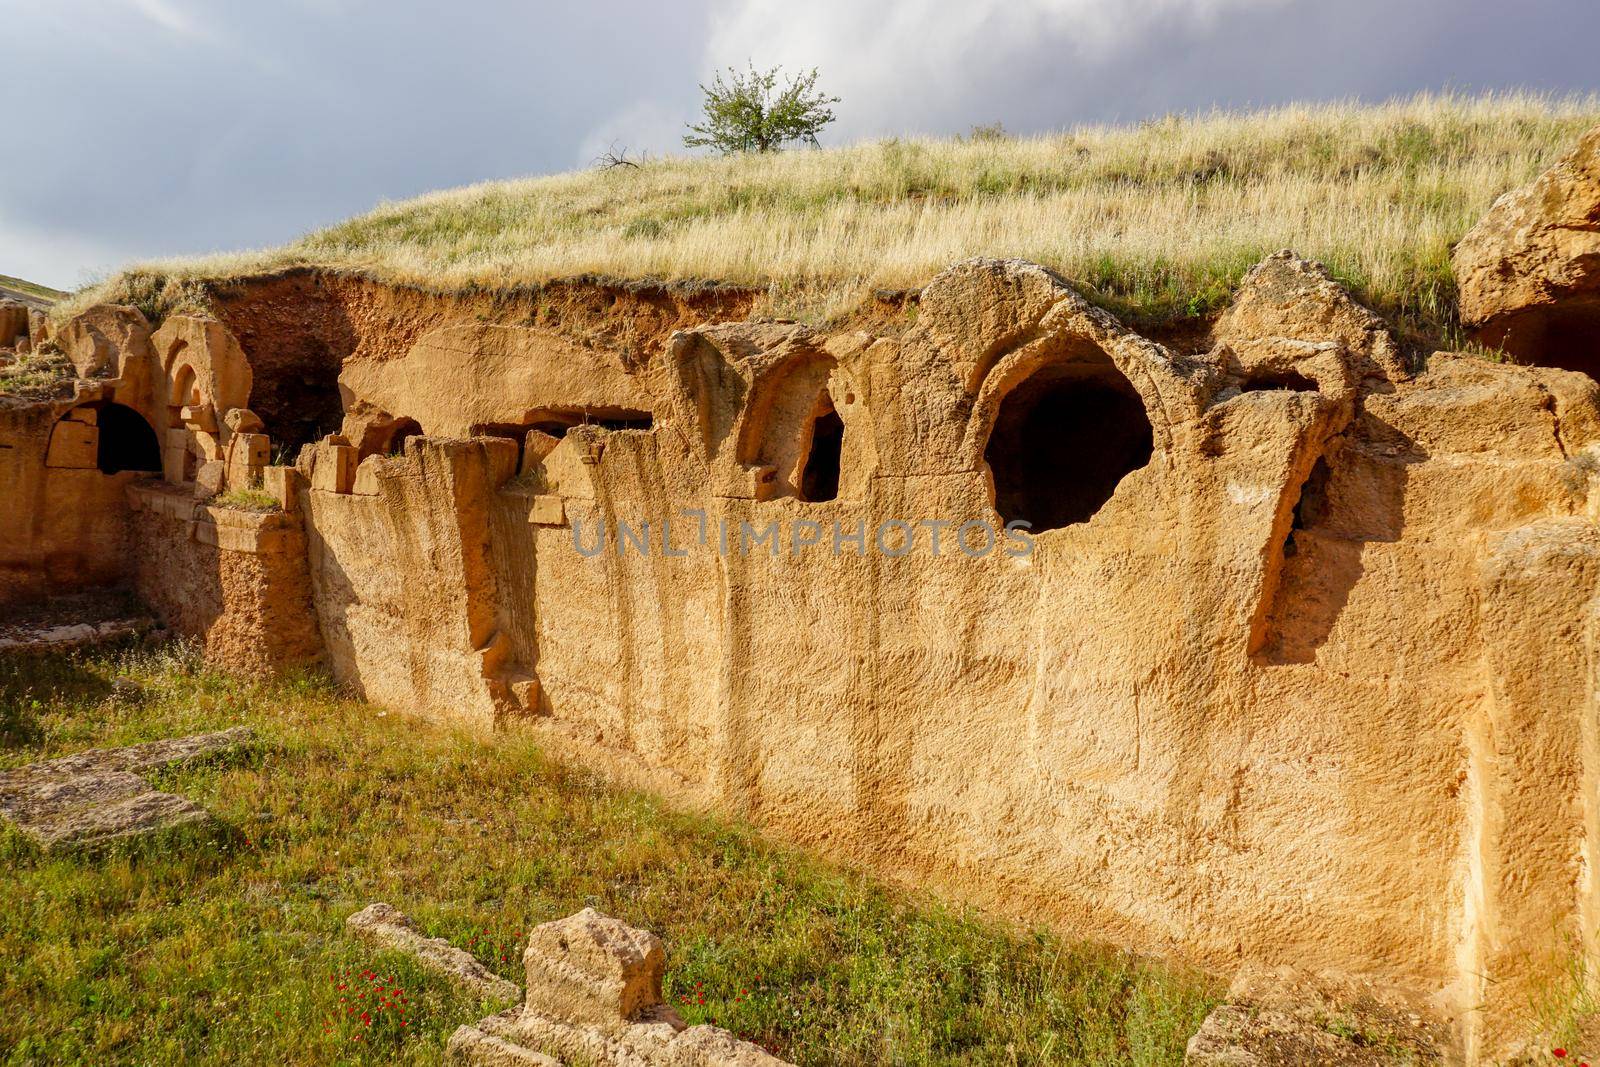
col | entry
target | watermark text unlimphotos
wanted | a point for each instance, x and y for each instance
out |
(693, 531)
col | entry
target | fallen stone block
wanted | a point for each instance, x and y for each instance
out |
(389, 927)
(335, 470)
(592, 968)
(91, 810)
(94, 824)
(594, 997)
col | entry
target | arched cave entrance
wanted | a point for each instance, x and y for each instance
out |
(1566, 337)
(126, 441)
(819, 476)
(403, 431)
(1063, 440)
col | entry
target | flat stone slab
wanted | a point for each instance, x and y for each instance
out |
(97, 798)
(70, 635)
(388, 927)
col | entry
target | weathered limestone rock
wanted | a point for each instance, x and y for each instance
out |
(1288, 310)
(248, 454)
(594, 997)
(1529, 272)
(1280, 1018)
(471, 1046)
(153, 756)
(591, 968)
(96, 799)
(243, 420)
(209, 479)
(92, 812)
(102, 340)
(388, 926)
(1295, 666)
(336, 462)
(1161, 725)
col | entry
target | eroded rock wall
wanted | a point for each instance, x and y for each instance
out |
(1283, 696)
(234, 580)
(1296, 667)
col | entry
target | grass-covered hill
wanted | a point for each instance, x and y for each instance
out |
(28, 292)
(1156, 221)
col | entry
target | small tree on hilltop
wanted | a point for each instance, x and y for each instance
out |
(747, 112)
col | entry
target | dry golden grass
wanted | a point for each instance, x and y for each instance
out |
(1157, 221)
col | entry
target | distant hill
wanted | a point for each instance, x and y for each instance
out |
(28, 292)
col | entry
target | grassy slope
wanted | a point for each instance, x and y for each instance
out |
(1157, 221)
(10, 286)
(233, 953)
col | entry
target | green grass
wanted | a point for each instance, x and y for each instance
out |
(232, 952)
(247, 499)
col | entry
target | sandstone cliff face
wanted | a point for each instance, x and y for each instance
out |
(1296, 666)
(1285, 680)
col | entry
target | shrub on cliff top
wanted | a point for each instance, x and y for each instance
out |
(748, 113)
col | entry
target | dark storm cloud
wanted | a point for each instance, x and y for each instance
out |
(160, 128)
(155, 127)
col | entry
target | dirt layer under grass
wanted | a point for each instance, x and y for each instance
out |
(235, 953)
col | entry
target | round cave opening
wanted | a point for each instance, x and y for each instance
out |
(1063, 440)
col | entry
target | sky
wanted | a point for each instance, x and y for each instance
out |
(146, 128)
